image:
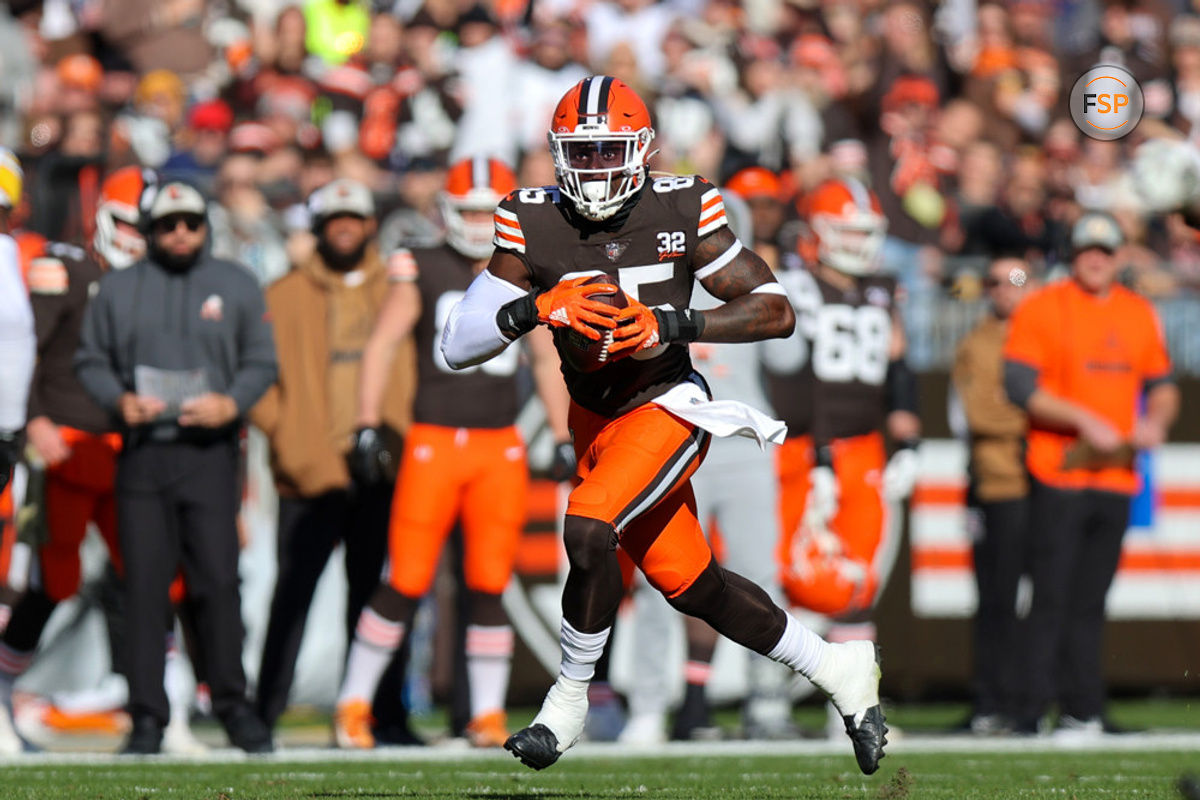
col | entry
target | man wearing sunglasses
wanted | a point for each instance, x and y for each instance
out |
(177, 348)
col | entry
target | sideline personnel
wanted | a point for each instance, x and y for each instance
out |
(178, 347)
(323, 313)
(1080, 355)
(998, 497)
(463, 460)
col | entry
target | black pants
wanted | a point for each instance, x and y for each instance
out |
(1076, 545)
(177, 507)
(1001, 555)
(309, 529)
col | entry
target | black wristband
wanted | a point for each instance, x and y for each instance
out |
(519, 317)
(908, 444)
(825, 456)
(900, 387)
(679, 326)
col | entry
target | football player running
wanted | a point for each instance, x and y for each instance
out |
(642, 422)
(838, 382)
(463, 460)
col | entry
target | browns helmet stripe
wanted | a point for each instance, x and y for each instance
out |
(481, 173)
(862, 197)
(593, 96)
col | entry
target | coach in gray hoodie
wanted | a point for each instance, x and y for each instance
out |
(177, 348)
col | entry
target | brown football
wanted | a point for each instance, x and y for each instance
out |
(580, 352)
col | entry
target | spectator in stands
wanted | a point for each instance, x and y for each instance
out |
(202, 144)
(67, 187)
(997, 497)
(336, 30)
(178, 348)
(1079, 355)
(487, 71)
(1018, 223)
(767, 120)
(244, 226)
(323, 313)
(155, 35)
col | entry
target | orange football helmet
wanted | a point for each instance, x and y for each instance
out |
(754, 182)
(119, 197)
(821, 576)
(600, 138)
(847, 226)
(474, 184)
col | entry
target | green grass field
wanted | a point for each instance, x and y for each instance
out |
(995, 776)
(922, 764)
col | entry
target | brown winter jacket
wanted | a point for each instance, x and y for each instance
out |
(321, 324)
(997, 426)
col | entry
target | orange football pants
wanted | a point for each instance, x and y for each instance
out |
(477, 475)
(858, 463)
(79, 490)
(634, 474)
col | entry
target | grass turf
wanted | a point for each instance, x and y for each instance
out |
(919, 776)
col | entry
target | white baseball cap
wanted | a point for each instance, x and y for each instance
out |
(176, 197)
(342, 196)
(1096, 229)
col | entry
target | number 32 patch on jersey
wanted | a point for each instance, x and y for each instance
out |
(671, 244)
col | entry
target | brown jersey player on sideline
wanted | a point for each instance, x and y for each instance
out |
(641, 423)
(464, 459)
(839, 381)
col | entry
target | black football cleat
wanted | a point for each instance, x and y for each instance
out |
(869, 736)
(536, 746)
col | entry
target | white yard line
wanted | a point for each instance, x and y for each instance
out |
(910, 744)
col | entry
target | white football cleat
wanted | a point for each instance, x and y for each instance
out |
(556, 727)
(849, 673)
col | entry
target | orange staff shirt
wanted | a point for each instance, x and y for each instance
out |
(1097, 352)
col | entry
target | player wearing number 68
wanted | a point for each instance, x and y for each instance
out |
(839, 381)
(643, 420)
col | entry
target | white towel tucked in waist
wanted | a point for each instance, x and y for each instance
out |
(721, 417)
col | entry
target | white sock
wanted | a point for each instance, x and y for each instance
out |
(375, 640)
(799, 648)
(580, 651)
(489, 658)
(176, 683)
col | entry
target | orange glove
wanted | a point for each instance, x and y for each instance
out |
(637, 329)
(640, 327)
(566, 305)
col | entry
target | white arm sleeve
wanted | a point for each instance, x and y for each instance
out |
(18, 342)
(471, 335)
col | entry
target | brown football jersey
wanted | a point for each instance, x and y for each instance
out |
(828, 378)
(482, 396)
(651, 251)
(62, 278)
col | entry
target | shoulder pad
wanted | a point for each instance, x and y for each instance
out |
(401, 265)
(48, 275)
(64, 250)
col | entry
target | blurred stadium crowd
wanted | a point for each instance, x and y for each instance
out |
(955, 112)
